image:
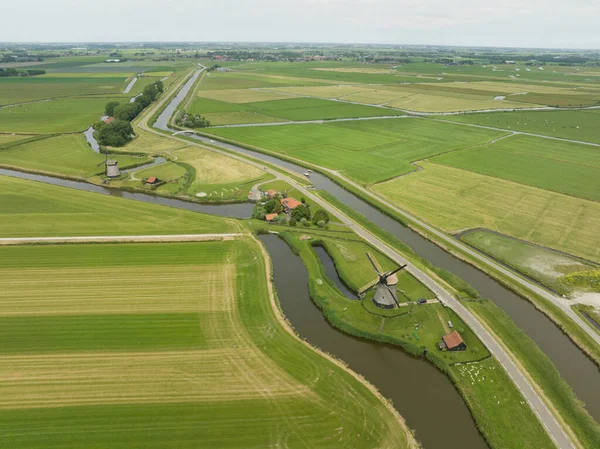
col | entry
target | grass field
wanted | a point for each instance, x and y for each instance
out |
(367, 151)
(19, 90)
(576, 125)
(56, 116)
(416, 97)
(564, 167)
(150, 143)
(454, 200)
(356, 271)
(224, 372)
(214, 168)
(539, 263)
(295, 109)
(67, 155)
(33, 209)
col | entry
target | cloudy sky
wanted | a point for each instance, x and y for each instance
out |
(515, 23)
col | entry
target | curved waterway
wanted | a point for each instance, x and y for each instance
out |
(574, 366)
(420, 392)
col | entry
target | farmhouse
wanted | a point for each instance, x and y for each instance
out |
(290, 204)
(152, 180)
(112, 171)
(270, 217)
(453, 342)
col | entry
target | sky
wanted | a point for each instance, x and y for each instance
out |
(506, 23)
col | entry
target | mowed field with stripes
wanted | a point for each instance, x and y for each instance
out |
(165, 345)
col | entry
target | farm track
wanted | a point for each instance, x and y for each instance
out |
(120, 239)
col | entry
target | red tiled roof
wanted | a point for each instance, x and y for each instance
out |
(151, 180)
(290, 203)
(270, 217)
(452, 340)
(272, 192)
(109, 120)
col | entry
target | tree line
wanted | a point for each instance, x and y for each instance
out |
(119, 131)
(15, 72)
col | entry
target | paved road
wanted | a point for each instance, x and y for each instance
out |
(547, 419)
(120, 238)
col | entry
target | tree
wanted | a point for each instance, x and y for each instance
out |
(321, 215)
(273, 207)
(143, 100)
(305, 222)
(160, 86)
(321, 223)
(293, 222)
(151, 91)
(300, 212)
(110, 107)
(115, 134)
(127, 111)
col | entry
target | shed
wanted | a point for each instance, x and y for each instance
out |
(271, 193)
(270, 217)
(112, 171)
(108, 120)
(152, 180)
(454, 342)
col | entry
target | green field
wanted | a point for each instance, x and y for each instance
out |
(455, 200)
(20, 90)
(56, 116)
(576, 125)
(539, 263)
(564, 167)
(224, 372)
(355, 270)
(367, 151)
(34, 209)
(66, 155)
(296, 109)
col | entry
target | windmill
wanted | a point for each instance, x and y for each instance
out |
(385, 295)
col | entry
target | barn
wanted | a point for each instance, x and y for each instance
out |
(453, 342)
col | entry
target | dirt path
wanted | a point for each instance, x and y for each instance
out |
(120, 239)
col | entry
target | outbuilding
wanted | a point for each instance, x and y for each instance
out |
(152, 180)
(270, 217)
(454, 342)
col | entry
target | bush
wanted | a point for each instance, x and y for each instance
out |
(321, 223)
(305, 222)
(321, 215)
(293, 222)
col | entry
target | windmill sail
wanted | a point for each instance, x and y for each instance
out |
(385, 296)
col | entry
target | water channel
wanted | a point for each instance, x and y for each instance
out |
(574, 366)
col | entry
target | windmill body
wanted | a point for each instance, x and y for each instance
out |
(385, 294)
